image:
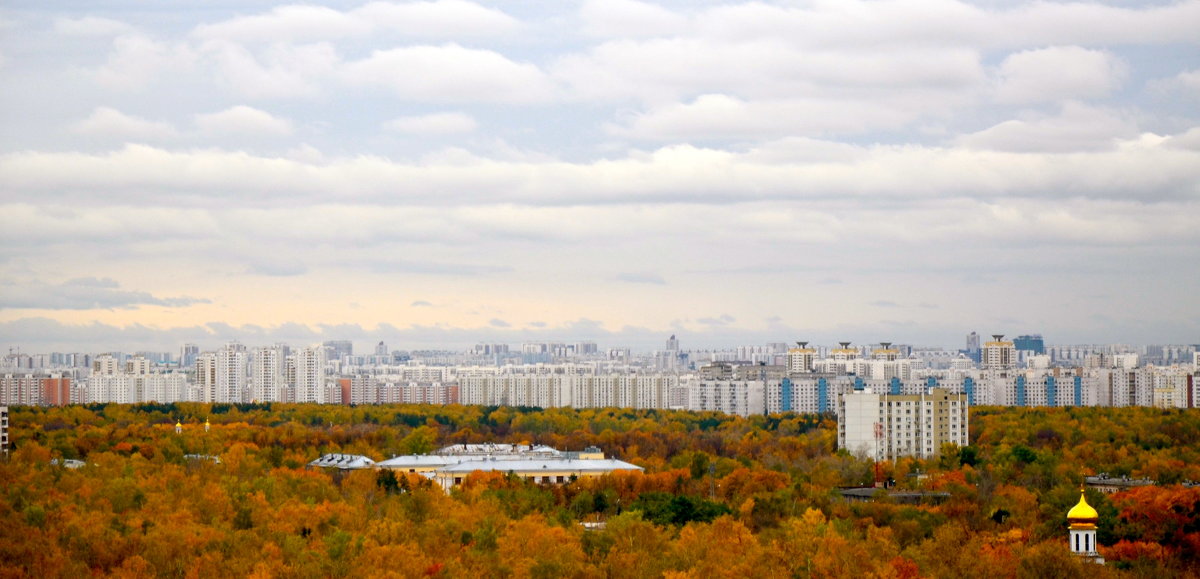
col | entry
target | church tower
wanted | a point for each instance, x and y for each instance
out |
(1082, 519)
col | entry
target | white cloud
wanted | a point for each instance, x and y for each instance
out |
(1141, 167)
(242, 120)
(294, 23)
(433, 124)
(723, 117)
(438, 19)
(137, 60)
(664, 70)
(862, 141)
(873, 26)
(109, 122)
(91, 26)
(1077, 128)
(451, 73)
(629, 18)
(45, 226)
(1058, 73)
(280, 71)
(441, 19)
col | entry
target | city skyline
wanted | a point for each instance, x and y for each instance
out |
(443, 173)
(575, 348)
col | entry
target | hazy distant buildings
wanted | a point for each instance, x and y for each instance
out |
(188, 354)
(1030, 343)
(745, 380)
(972, 350)
(339, 349)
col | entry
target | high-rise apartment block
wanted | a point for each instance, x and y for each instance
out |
(886, 426)
(37, 390)
(310, 375)
(268, 373)
(801, 359)
(999, 354)
(221, 376)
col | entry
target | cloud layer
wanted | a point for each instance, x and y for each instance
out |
(726, 169)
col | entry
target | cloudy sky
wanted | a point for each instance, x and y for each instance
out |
(440, 173)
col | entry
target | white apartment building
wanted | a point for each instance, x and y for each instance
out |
(887, 426)
(310, 375)
(221, 376)
(166, 387)
(119, 388)
(740, 397)
(268, 373)
(998, 354)
(802, 359)
(106, 364)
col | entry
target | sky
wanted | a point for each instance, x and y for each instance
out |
(437, 174)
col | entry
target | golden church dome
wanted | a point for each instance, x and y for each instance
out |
(1082, 512)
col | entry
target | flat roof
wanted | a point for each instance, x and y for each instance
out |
(534, 465)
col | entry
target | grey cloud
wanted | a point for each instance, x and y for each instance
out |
(84, 294)
(498, 323)
(722, 320)
(650, 278)
(432, 268)
(885, 304)
(421, 304)
(279, 268)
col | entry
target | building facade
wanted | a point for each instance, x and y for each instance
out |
(889, 426)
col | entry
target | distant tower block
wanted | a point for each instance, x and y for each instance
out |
(844, 352)
(999, 354)
(885, 352)
(801, 359)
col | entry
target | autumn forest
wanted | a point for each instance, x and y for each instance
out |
(721, 496)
